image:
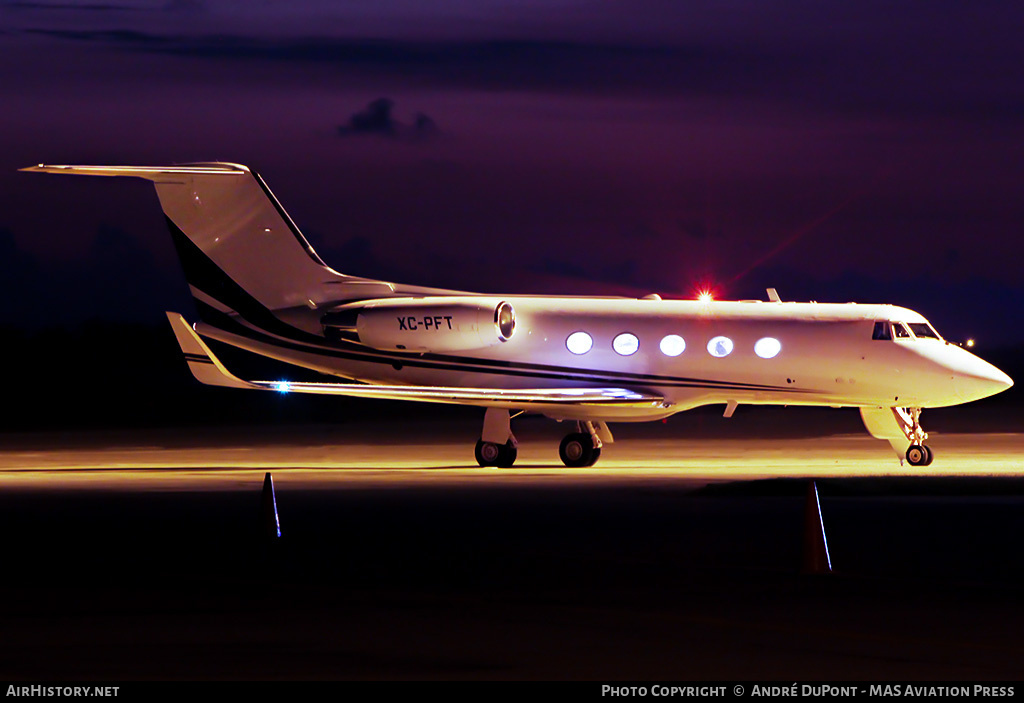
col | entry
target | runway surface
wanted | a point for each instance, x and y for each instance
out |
(139, 555)
(201, 460)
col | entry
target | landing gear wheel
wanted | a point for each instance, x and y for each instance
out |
(919, 455)
(578, 450)
(487, 453)
(491, 454)
(930, 453)
(507, 456)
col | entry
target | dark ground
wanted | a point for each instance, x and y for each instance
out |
(516, 583)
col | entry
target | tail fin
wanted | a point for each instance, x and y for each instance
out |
(235, 241)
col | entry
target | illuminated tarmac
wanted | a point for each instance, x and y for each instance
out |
(172, 461)
(141, 554)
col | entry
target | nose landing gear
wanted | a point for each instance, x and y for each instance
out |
(919, 455)
(902, 428)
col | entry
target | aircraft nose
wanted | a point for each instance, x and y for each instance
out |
(978, 379)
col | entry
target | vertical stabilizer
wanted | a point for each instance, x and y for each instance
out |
(234, 239)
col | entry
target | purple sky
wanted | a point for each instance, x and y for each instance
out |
(838, 151)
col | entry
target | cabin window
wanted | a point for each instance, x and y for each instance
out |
(923, 329)
(579, 342)
(767, 347)
(672, 345)
(626, 344)
(720, 346)
(900, 331)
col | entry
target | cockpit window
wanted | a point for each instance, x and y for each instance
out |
(902, 330)
(923, 329)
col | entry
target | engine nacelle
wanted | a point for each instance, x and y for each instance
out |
(432, 324)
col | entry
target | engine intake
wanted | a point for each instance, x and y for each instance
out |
(432, 324)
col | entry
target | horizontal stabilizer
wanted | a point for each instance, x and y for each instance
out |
(209, 370)
(150, 173)
(201, 362)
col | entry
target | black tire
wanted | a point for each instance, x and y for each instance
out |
(500, 455)
(595, 454)
(577, 450)
(930, 453)
(487, 453)
(917, 455)
(507, 455)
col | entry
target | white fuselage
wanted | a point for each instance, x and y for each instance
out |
(817, 354)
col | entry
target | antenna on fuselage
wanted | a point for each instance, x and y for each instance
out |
(773, 296)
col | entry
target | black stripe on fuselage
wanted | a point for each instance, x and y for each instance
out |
(206, 276)
(505, 370)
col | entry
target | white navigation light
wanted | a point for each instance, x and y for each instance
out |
(672, 345)
(626, 344)
(579, 342)
(767, 347)
(282, 386)
(720, 346)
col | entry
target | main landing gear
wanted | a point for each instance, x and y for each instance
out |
(580, 448)
(497, 445)
(493, 454)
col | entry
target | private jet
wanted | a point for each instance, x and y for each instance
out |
(258, 285)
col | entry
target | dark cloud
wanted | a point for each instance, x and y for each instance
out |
(84, 7)
(910, 74)
(185, 6)
(488, 64)
(701, 230)
(377, 119)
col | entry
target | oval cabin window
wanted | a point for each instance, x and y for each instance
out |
(626, 344)
(672, 345)
(767, 347)
(579, 342)
(720, 346)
